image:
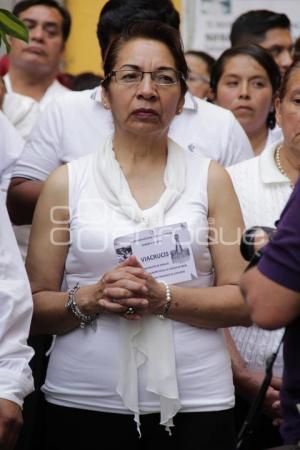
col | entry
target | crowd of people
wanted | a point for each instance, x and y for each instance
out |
(169, 148)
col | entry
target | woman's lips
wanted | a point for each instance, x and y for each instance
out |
(243, 108)
(145, 112)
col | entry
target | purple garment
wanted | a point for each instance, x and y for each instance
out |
(281, 263)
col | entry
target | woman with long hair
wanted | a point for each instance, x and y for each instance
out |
(245, 80)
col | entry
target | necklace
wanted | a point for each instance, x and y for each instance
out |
(279, 166)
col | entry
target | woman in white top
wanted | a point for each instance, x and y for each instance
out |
(200, 65)
(245, 80)
(129, 346)
(263, 185)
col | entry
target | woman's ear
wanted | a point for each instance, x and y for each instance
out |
(180, 105)
(211, 96)
(277, 105)
(104, 99)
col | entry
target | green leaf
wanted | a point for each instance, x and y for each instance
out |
(3, 38)
(12, 26)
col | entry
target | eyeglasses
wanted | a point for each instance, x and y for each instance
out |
(193, 78)
(163, 77)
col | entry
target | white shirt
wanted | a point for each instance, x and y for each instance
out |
(11, 147)
(77, 375)
(274, 135)
(23, 111)
(262, 192)
(15, 316)
(77, 124)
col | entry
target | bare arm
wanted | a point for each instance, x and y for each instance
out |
(247, 383)
(211, 307)
(10, 424)
(2, 91)
(45, 263)
(22, 197)
(222, 305)
(271, 305)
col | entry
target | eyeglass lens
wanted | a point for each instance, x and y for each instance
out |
(160, 77)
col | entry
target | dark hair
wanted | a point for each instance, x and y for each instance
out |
(85, 80)
(286, 78)
(297, 49)
(23, 5)
(251, 27)
(261, 56)
(148, 29)
(208, 59)
(117, 14)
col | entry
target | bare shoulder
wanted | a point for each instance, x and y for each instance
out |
(219, 184)
(58, 178)
(56, 185)
(218, 175)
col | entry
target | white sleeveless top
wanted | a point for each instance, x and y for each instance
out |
(84, 365)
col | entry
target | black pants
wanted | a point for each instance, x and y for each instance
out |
(32, 434)
(265, 434)
(77, 429)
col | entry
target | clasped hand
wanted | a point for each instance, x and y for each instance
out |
(127, 285)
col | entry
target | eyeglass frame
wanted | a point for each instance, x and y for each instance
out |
(178, 73)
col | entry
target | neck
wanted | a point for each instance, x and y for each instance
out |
(31, 84)
(258, 139)
(290, 162)
(143, 162)
(135, 153)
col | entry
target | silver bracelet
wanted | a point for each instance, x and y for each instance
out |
(71, 305)
(167, 305)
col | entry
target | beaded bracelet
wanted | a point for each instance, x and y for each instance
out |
(71, 305)
(167, 305)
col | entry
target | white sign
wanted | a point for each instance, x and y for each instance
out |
(206, 24)
(165, 252)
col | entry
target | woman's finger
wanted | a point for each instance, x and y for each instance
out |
(131, 261)
(120, 306)
(115, 275)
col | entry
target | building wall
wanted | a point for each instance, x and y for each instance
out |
(82, 50)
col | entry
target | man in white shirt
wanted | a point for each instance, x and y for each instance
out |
(15, 308)
(31, 80)
(268, 29)
(76, 124)
(11, 147)
(15, 316)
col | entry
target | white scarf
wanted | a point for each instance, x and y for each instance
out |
(21, 111)
(149, 339)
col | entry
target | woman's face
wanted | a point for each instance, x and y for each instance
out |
(245, 89)
(288, 112)
(199, 78)
(143, 108)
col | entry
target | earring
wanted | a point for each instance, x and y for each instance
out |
(271, 119)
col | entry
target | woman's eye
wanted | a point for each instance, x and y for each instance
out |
(164, 79)
(258, 84)
(130, 76)
(232, 83)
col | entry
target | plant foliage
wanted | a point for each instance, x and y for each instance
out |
(10, 25)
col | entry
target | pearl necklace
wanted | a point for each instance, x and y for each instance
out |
(279, 166)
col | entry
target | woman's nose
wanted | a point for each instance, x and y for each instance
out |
(244, 90)
(147, 86)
